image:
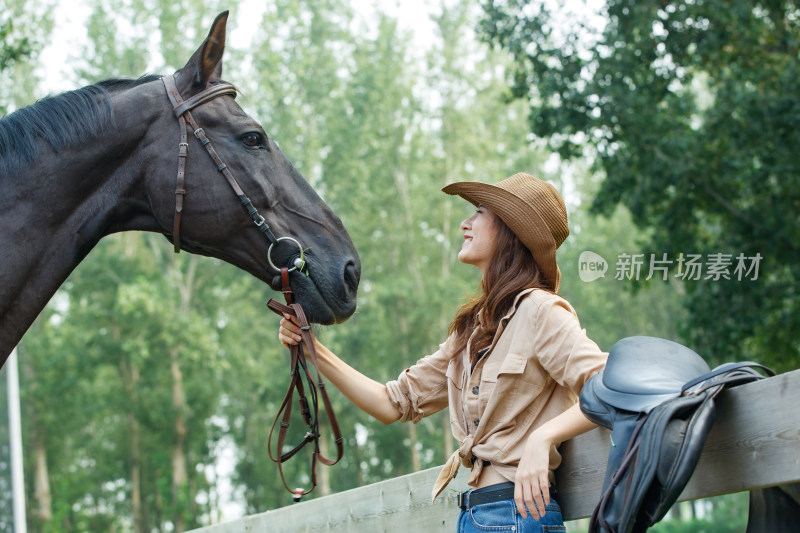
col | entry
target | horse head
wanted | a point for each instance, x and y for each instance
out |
(212, 218)
(118, 156)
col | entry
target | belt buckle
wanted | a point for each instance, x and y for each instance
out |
(462, 500)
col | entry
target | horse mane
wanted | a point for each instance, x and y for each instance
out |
(62, 120)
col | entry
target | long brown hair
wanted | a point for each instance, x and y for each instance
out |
(511, 271)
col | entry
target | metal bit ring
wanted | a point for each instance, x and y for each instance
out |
(299, 263)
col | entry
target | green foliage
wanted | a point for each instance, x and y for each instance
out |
(13, 47)
(611, 308)
(690, 108)
(723, 514)
(98, 365)
(24, 29)
(122, 31)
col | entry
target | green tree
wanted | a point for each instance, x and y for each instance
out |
(13, 47)
(723, 514)
(24, 30)
(611, 308)
(689, 108)
(120, 33)
(107, 433)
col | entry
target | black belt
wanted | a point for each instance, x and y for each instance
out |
(490, 494)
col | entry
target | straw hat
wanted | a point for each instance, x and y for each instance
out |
(532, 208)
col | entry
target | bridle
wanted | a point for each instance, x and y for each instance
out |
(299, 366)
(182, 109)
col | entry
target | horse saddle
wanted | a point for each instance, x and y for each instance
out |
(657, 398)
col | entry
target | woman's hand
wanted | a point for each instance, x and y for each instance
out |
(532, 482)
(533, 475)
(367, 394)
(289, 332)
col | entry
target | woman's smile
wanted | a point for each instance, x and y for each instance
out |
(480, 232)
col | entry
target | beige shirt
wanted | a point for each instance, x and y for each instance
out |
(534, 370)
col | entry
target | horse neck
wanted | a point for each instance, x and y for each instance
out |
(54, 211)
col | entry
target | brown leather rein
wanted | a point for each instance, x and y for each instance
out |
(310, 413)
(299, 360)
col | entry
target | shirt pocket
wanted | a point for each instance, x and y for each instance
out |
(512, 364)
(500, 379)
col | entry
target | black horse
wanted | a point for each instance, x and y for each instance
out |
(84, 164)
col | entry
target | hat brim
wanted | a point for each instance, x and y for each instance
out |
(523, 219)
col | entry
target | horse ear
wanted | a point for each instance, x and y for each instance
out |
(206, 63)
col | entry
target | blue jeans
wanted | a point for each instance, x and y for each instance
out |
(503, 516)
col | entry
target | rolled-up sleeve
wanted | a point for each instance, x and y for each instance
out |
(421, 389)
(563, 348)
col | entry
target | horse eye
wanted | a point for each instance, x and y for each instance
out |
(252, 140)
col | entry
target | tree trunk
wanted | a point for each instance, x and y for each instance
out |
(44, 500)
(324, 471)
(416, 464)
(136, 481)
(130, 380)
(41, 474)
(447, 432)
(179, 478)
(445, 314)
(179, 475)
(359, 459)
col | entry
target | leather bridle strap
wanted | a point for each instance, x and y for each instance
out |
(300, 359)
(182, 109)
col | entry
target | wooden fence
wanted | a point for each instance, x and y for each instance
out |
(755, 443)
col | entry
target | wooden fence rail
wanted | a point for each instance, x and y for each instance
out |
(755, 443)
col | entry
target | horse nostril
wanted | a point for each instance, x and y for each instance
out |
(352, 275)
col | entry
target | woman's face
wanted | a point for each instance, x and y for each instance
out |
(480, 235)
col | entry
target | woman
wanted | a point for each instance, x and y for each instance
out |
(511, 368)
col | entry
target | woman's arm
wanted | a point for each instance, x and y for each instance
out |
(532, 482)
(365, 393)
